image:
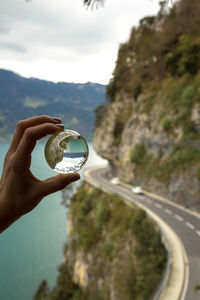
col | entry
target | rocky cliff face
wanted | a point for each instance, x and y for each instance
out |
(181, 184)
(150, 131)
(109, 251)
(114, 251)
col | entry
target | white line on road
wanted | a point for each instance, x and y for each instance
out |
(189, 225)
(198, 232)
(168, 211)
(179, 218)
(158, 205)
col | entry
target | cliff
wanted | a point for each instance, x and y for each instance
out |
(149, 130)
(113, 252)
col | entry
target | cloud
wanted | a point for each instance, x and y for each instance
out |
(4, 28)
(40, 36)
(13, 47)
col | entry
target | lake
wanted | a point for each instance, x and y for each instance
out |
(32, 248)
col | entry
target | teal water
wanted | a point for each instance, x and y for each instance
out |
(32, 248)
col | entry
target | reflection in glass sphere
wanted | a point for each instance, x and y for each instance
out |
(66, 151)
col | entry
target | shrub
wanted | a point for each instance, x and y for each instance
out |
(87, 235)
(111, 90)
(150, 252)
(189, 129)
(108, 248)
(42, 291)
(138, 154)
(185, 57)
(65, 287)
(134, 275)
(188, 96)
(166, 124)
(102, 212)
(184, 155)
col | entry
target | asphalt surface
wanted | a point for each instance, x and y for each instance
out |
(183, 223)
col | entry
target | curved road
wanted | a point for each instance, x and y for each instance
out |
(183, 222)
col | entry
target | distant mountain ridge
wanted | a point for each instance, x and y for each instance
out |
(21, 98)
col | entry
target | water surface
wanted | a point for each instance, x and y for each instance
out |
(31, 249)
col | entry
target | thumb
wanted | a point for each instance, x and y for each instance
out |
(57, 183)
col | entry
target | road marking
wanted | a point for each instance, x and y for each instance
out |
(158, 205)
(168, 211)
(189, 225)
(179, 218)
(198, 232)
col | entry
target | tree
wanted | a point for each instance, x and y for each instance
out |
(92, 2)
(101, 2)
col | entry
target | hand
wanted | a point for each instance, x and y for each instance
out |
(20, 190)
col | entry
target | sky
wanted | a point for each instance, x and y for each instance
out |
(61, 40)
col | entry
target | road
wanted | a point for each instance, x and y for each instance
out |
(183, 222)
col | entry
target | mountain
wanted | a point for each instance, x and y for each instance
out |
(21, 98)
(111, 247)
(150, 129)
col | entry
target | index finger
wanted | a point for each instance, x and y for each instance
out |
(24, 124)
(29, 139)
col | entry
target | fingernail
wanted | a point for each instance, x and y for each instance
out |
(56, 119)
(60, 125)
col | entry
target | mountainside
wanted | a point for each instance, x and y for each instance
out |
(114, 251)
(150, 128)
(21, 98)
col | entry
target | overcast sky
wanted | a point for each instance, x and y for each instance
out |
(61, 40)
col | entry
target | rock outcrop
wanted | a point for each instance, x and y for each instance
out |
(150, 130)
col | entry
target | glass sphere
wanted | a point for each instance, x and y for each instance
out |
(66, 151)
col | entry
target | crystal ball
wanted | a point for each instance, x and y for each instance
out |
(66, 151)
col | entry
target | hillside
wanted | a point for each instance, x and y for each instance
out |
(150, 128)
(21, 98)
(113, 252)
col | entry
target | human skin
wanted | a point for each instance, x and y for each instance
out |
(20, 190)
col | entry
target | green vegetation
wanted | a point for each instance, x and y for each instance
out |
(184, 58)
(138, 154)
(34, 103)
(180, 158)
(28, 97)
(152, 55)
(124, 247)
(197, 288)
(118, 129)
(163, 67)
(166, 124)
(178, 161)
(188, 96)
(150, 253)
